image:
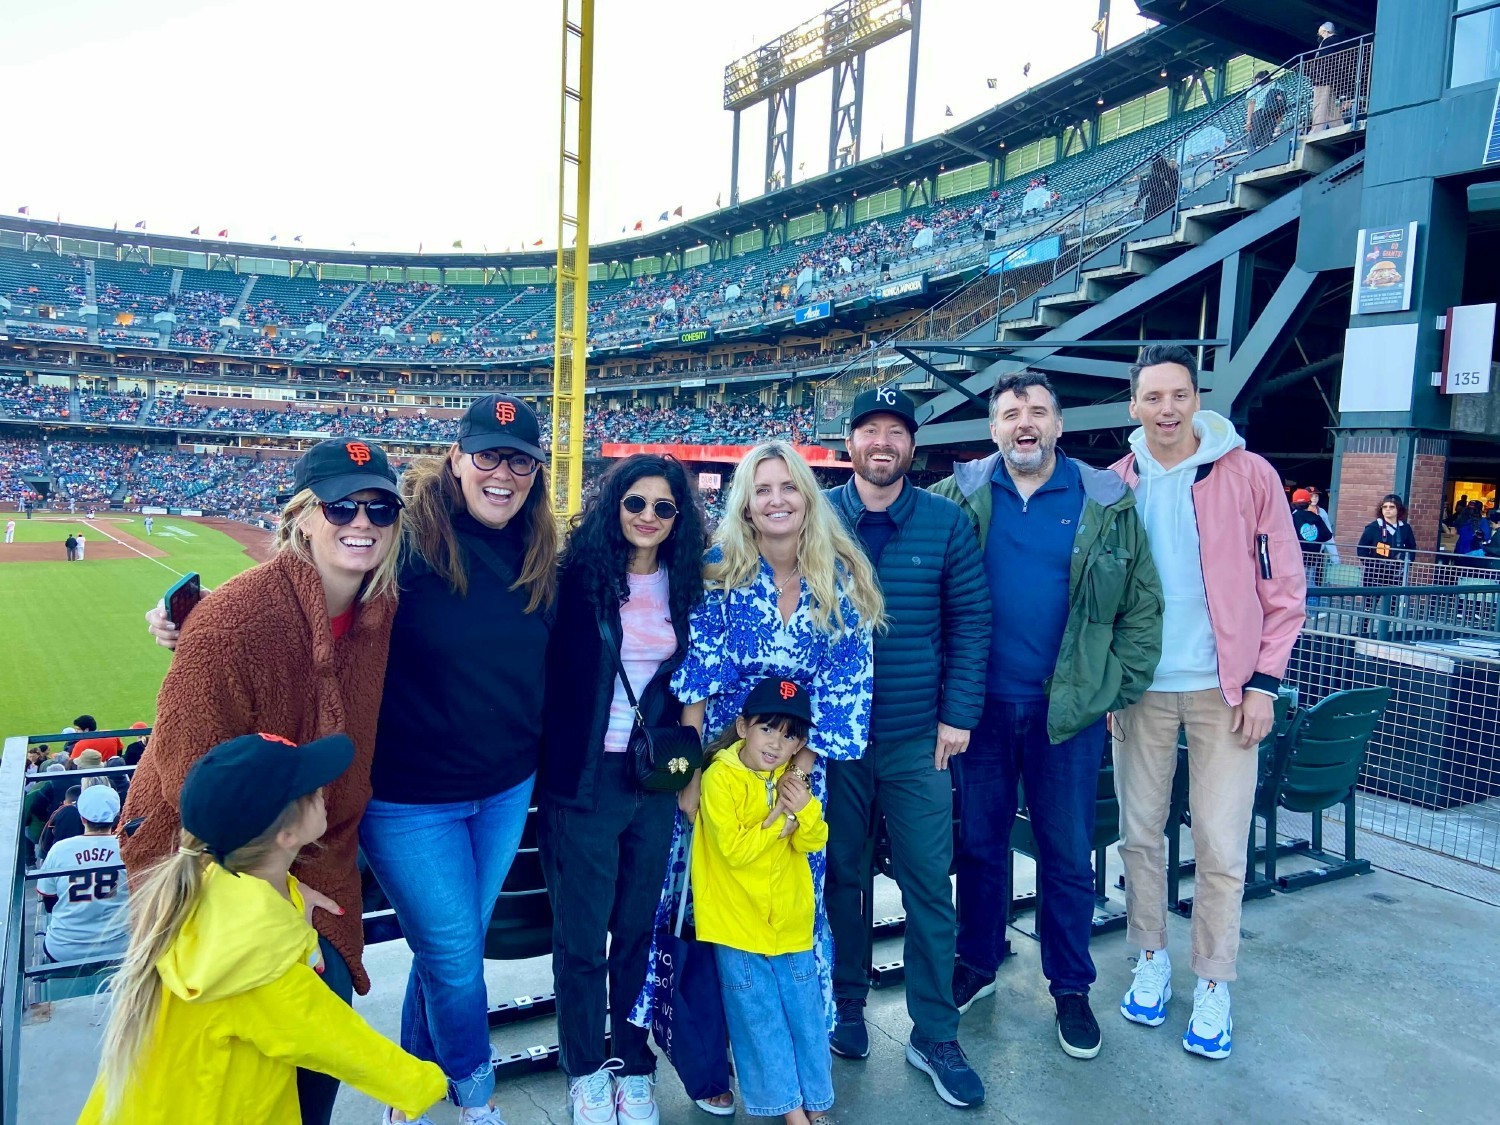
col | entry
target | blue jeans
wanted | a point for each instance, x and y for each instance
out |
(442, 867)
(1008, 748)
(777, 1031)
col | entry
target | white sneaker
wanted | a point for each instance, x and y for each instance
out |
(635, 1100)
(1146, 1000)
(387, 1119)
(1208, 1030)
(592, 1097)
(480, 1115)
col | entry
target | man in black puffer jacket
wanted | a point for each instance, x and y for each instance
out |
(929, 693)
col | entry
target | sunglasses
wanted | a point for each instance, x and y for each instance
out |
(381, 513)
(635, 505)
(521, 464)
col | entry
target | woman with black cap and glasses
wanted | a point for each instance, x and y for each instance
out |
(296, 648)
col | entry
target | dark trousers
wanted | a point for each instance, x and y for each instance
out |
(316, 1090)
(1010, 747)
(896, 778)
(604, 872)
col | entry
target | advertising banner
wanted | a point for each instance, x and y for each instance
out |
(1382, 270)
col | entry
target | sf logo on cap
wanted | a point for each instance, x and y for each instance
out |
(886, 395)
(505, 412)
(788, 690)
(359, 452)
(277, 737)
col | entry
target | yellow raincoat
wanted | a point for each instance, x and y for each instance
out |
(752, 890)
(241, 1009)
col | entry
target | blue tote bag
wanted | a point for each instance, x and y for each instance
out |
(688, 1021)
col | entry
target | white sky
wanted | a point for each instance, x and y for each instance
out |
(394, 124)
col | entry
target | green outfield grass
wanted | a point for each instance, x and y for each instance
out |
(73, 637)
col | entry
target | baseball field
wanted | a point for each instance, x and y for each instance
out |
(73, 638)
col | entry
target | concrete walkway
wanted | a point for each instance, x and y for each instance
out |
(1369, 1000)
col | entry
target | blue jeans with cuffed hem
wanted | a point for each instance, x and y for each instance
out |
(777, 1031)
(442, 867)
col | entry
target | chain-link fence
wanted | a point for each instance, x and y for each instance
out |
(1309, 95)
(1431, 776)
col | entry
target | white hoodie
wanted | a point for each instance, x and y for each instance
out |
(1189, 659)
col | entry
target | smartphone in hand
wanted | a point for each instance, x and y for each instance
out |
(186, 593)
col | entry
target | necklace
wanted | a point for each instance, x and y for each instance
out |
(782, 585)
(770, 784)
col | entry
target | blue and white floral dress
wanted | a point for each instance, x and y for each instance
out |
(737, 639)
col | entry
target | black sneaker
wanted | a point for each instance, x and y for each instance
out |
(850, 1040)
(951, 1074)
(1077, 1030)
(969, 986)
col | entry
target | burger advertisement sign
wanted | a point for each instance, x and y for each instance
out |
(1382, 270)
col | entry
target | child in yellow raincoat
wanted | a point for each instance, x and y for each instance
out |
(753, 899)
(218, 1001)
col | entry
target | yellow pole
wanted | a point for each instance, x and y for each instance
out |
(570, 351)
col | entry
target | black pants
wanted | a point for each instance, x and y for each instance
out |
(604, 873)
(896, 778)
(316, 1090)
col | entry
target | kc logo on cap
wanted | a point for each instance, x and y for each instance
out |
(359, 453)
(505, 412)
(886, 395)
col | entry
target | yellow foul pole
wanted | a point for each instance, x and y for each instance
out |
(570, 354)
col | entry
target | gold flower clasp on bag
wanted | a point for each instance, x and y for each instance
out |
(677, 765)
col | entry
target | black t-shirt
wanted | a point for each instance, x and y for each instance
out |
(1312, 532)
(461, 719)
(875, 531)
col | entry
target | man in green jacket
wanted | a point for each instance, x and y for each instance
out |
(1076, 633)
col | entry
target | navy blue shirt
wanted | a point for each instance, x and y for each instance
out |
(1027, 558)
(875, 531)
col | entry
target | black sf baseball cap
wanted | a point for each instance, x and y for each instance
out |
(235, 792)
(501, 422)
(778, 697)
(884, 400)
(341, 467)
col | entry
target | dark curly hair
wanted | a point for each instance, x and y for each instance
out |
(598, 554)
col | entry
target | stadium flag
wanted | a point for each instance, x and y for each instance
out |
(992, 82)
(678, 212)
(117, 225)
(719, 200)
(224, 233)
(271, 239)
(141, 225)
(640, 224)
(458, 244)
(296, 238)
(420, 245)
(538, 242)
(662, 217)
(23, 210)
(947, 111)
(193, 231)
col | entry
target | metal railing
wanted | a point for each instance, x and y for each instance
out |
(1294, 101)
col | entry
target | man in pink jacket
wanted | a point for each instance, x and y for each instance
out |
(1235, 593)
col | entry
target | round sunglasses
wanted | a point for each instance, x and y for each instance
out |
(381, 513)
(521, 464)
(635, 505)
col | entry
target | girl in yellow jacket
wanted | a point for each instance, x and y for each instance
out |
(753, 899)
(218, 1001)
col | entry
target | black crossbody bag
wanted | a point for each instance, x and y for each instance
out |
(662, 758)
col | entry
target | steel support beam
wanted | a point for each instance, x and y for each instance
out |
(781, 126)
(911, 70)
(1235, 278)
(847, 112)
(1272, 332)
(734, 164)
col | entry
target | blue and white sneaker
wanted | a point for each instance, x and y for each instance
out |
(1208, 1030)
(1146, 1001)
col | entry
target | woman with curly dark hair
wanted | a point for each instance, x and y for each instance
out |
(632, 572)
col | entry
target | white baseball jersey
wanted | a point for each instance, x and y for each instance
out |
(80, 546)
(92, 915)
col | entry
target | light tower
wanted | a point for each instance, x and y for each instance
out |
(835, 40)
(570, 354)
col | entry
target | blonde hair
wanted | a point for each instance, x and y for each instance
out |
(433, 497)
(830, 560)
(166, 898)
(291, 539)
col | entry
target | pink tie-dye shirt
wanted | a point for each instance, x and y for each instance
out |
(649, 640)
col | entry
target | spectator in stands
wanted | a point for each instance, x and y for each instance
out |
(89, 912)
(1387, 546)
(631, 576)
(121, 784)
(1472, 529)
(107, 747)
(64, 823)
(36, 758)
(1329, 79)
(296, 647)
(1312, 533)
(1057, 664)
(1158, 187)
(790, 595)
(219, 996)
(1330, 548)
(1235, 604)
(1265, 106)
(929, 680)
(89, 760)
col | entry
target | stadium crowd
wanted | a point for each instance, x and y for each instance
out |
(20, 400)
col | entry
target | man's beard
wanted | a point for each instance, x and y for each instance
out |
(1030, 462)
(880, 476)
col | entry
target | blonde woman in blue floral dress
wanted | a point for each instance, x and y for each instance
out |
(789, 594)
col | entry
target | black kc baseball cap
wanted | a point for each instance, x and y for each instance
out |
(501, 422)
(884, 400)
(778, 697)
(341, 467)
(235, 792)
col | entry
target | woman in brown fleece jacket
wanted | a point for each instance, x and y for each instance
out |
(295, 647)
